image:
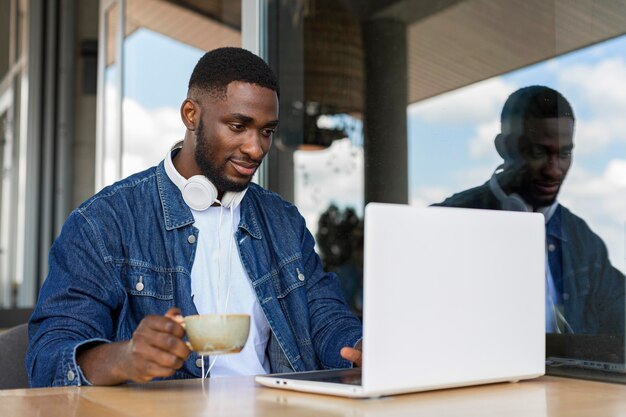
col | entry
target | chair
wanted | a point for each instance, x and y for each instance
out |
(13, 345)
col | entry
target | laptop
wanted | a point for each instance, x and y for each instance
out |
(596, 352)
(452, 297)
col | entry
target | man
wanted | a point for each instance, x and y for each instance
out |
(191, 235)
(585, 293)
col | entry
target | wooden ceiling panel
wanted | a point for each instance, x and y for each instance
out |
(181, 23)
(477, 39)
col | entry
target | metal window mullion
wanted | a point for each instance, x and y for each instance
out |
(48, 136)
(121, 28)
(28, 201)
(254, 39)
(65, 113)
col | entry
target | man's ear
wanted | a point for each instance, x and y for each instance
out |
(507, 145)
(501, 146)
(190, 113)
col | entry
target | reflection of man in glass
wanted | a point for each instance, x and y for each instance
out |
(584, 292)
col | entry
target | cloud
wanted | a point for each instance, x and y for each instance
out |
(594, 135)
(476, 103)
(148, 134)
(481, 144)
(333, 175)
(615, 173)
(599, 85)
(599, 101)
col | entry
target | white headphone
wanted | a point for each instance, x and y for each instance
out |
(515, 202)
(510, 202)
(198, 192)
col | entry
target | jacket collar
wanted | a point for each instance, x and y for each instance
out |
(250, 214)
(177, 214)
(555, 226)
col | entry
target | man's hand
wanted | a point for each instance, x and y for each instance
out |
(353, 355)
(156, 350)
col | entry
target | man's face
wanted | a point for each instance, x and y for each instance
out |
(234, 134)
(546, 152)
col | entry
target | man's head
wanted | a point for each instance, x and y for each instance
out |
(231, 112)
(536, 142)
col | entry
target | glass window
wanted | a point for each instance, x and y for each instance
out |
(416, 102)
(14, 291)
(161, 44)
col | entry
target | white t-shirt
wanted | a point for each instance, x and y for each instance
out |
(220, 284)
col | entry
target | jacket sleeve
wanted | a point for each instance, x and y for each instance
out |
(608, 294)
(333, 325)
(76, 305)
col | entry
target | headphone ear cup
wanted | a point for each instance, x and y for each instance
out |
(514, 202)
(199, 193)
(510, 202)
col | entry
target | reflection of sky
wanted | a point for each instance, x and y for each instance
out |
(157, 69)
(451, 136)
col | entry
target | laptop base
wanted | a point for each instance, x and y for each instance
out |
(588, 374)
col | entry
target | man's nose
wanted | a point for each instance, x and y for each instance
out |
(553, 167)
(253, 145)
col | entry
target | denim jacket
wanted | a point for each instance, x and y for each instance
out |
(592, 290)
(128, 251)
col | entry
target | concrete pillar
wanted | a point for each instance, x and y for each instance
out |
(385, 121)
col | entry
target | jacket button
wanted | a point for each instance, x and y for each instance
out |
(139, 286)
(199, 362)
(70, 375)
(191, 239)
(551, 247)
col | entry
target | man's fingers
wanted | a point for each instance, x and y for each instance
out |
(162, 324)
(149, 362)
(174, 313)
(166, 337)
(351, 355)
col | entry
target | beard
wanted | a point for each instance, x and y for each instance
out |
(205, 158)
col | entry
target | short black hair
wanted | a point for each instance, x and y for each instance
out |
(219, 67)
(533, 102)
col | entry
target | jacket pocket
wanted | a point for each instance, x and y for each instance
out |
(144, 282)
(292, 296)
(290, 277)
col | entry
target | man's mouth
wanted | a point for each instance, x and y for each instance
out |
(547, 188)
(244, 168)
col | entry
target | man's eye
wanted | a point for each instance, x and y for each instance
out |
(566, 154)
(537, 152)
(237, 127)
(267, 132)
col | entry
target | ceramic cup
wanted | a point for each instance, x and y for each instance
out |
(217, 334)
